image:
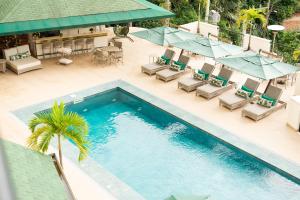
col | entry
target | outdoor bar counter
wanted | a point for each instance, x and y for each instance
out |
(99, 40)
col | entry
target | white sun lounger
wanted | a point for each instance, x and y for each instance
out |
(209, 91)
(232, 101)
(169, 74)
(258, 112)
(152, 68)
(190, 84)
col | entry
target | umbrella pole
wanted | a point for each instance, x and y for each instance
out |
(269, 83)
(181, 52)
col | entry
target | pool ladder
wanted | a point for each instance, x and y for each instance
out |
(76, 99)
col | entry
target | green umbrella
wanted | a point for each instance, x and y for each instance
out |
(208, 48)
(187, 197)
(258, 66)
(164, 36)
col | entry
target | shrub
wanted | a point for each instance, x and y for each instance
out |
(286, 43)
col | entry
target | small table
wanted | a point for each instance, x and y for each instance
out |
(3, 65)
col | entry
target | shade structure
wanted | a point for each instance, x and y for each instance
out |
(258, 66)
(187, 197)
(208, 48)
(26, 16)
(164, 36)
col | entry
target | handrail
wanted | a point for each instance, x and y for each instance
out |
(62, 176)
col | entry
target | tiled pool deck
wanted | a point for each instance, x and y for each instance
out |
(55, 81)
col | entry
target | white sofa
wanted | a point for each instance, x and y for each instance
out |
(21, 65)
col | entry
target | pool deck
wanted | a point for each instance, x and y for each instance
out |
(56, 80)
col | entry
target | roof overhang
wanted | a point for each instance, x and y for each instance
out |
(30, 26)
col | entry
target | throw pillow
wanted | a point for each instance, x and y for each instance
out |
(224, 81)
(182, 65)
(175, 67)
(160, 61)
(242, 93)
(216, 82)
(251, 92)
(264, 102)
(200, 77)
(206, 75)
(166, 59)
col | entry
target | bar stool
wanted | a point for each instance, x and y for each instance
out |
(79, 45)
(56, 45)
(89, 44)
(46, 49)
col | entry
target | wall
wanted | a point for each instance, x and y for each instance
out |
(205, 28)
(257, 43)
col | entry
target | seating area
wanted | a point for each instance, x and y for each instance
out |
(209, 86)
(19, 59)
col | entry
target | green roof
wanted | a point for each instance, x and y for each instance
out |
(22, 16)
(33, 175)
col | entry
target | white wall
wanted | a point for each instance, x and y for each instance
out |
(205, 28)
(257, 43)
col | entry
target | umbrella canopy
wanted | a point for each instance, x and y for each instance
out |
(208, 48)
(258, 66)
(187, 197)
(164, 36)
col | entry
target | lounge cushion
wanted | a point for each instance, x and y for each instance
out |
(231, 98)
(248, 90)
(208, 88)
(22, 64)
(256, 109)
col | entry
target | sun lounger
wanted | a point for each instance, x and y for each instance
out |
(233, 100)
(209, 90)
(154, 67)
(257, 112)
(191, 83)
(171, 74)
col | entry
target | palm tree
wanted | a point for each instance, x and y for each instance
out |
(248, 17)
(46, 125)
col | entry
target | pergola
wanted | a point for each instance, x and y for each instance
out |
(28, 16)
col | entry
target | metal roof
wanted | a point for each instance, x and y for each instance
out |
(25, 16)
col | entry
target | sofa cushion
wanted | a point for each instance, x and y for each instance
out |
(23, 49)
(10, 52)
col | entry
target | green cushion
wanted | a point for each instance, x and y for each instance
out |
(206, 75)
(225, 81)
(274, 101)
(245, 88)
(264, 102)
(167, 60)
(182, 65)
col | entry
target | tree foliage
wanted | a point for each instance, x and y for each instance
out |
(61, 124)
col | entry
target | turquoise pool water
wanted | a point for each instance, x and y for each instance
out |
(158, 154)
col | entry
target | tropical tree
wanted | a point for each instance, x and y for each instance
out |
(61, 124)
(248, 17)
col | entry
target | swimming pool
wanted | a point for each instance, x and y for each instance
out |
(158, 154)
